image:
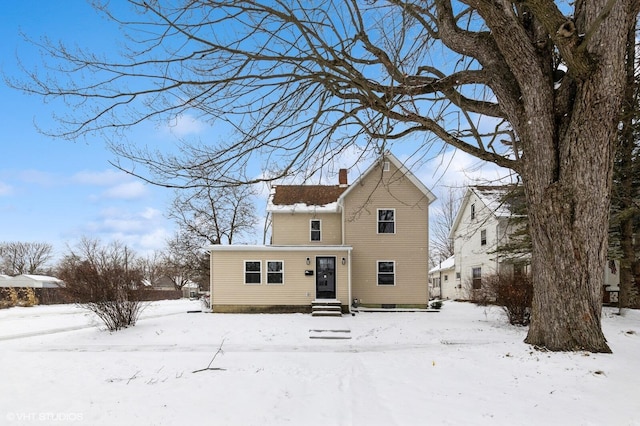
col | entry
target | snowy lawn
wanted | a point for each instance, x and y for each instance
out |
(461, 366)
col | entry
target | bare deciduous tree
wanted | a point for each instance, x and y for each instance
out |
(215, 215)
(444, 214)
(24, 257)
(104, 280)
(533, 86)
(182, 259)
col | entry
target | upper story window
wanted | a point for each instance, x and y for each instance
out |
(473, 211)
(275, 272)
(385, 166)
(316, 230)
(252, 272)
(386, 272)
(483, 237)
(386, 221)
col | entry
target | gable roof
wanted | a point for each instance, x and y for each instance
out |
(493, 197)
(401, 168)
(326, 198)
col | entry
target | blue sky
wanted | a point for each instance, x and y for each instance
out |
(56, 191)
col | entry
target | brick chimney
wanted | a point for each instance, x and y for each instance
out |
(342, 177)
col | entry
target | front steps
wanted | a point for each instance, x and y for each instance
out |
(326, 308)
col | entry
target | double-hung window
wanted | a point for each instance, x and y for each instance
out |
(252, 272)
(483, 237)
(476, 278)
(316, 230)
(386, 221)
(386, 272)
(275, 272)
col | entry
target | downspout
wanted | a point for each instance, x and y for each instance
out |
(211, 280)
(349, 280)
(342, 237)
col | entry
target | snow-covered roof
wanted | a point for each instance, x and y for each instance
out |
(41, 278)
(446, 264)
(327, 198)
(493, 198)
(34, 281)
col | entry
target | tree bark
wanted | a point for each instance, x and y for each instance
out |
(568, 191)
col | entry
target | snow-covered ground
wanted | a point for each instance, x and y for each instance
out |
(461, 366)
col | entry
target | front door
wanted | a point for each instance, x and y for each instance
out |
(325, 277)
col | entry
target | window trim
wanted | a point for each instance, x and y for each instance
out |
(281, 272)
(478, 278)
(245, 272)
(483, 237)
(378, 222)
(473, 211)
(393, 274)
(319, 230)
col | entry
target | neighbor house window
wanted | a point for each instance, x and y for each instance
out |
(476, 278)
(252, 272)
(483, 237)
(385, 166)
(386, 221)
(473, 211)
(386, 272)
(315, 230)
(275, 272)
(446, 277)
(457, 275)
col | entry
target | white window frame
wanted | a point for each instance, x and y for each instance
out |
(281, 272)
(483, 237)
(378, 262)
(473, 211)
(319, 230)
(259, 262)
(386, 166)
(378, 222)
(473, 278)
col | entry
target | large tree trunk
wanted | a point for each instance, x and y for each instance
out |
(568, 178)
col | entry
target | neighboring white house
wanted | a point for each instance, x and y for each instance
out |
(481, 226)
(442, 283)
(31, 281)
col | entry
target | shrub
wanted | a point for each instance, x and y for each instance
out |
(103, 280)
(512, 293)
(27, 297)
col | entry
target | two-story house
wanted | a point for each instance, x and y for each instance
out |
(485, 226)
(482, 226)
(366, 242)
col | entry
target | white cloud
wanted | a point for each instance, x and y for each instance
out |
(457, 168)
(38, 177)
(102, 178)
(186, 124)
(127, 191)
(5, 189)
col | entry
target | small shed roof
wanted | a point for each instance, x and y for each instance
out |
(449, 263)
